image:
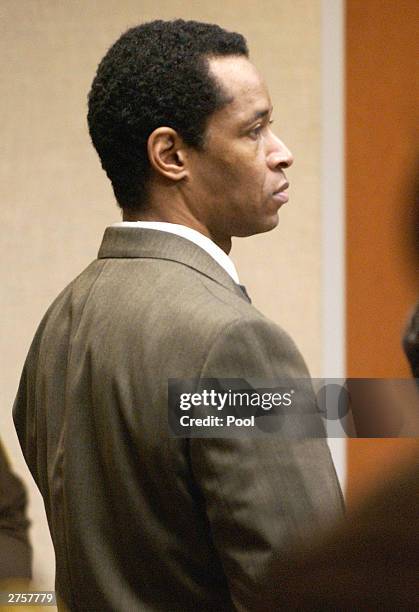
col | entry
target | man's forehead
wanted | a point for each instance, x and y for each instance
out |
(241, 81)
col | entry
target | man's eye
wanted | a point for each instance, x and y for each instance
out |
(254, 133)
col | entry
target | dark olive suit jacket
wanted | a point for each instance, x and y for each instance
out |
(141, 520)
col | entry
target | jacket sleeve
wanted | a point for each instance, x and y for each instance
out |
(261, 492)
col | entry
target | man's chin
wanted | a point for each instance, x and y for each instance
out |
(265, 225)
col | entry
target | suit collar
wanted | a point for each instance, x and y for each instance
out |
(194, 236)
(133, 242)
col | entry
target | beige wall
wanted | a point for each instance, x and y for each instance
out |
(56, 199)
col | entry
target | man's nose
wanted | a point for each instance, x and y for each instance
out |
(279, 156)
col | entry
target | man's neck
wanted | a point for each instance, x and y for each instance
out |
(180, 219)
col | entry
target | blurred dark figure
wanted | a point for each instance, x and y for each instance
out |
(371, 561)
(15, 550)
(411, 342)
(411, 336)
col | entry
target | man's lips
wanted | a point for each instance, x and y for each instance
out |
(280, 194)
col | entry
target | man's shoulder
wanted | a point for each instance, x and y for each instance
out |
(164, 301)
(168, 289)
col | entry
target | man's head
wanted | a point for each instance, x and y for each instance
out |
(180, 119)
(154, 75)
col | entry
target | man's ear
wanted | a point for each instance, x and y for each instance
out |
(166, 152)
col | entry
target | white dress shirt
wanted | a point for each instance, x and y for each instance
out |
(190, 234)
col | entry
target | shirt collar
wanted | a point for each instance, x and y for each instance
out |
(190, 234)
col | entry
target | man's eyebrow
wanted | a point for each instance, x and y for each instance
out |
(261, 114)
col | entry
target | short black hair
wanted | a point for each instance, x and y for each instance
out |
(156, 74)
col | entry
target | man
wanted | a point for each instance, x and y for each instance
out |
(140, 520)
